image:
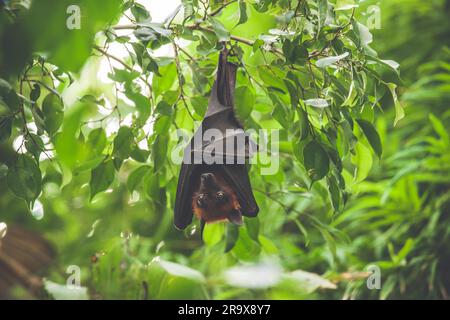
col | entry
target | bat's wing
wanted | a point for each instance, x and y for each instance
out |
(183, 201)
(23, 255)
(237, 176)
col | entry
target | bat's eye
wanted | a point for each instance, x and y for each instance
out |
(221, 197)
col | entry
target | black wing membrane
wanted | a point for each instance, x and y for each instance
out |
(185, 189)
(219, 116)
(238, 177)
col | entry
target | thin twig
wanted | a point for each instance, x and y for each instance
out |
(336, 35)
(105, 53)
(180, 80)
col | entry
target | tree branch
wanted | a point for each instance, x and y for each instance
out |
(105, 53)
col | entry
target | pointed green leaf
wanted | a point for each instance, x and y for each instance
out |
(53, 111)
(219, 29)
(24, 178)
(242, 12)
(362, 159)
(101, 177)
(97, 140)
(123, 143)
(316, 160)
(399, 112)
(244, 100)
(372, 135)
(135, 177)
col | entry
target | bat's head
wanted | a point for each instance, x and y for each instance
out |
(215, 200)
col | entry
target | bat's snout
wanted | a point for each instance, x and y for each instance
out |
(207, 177)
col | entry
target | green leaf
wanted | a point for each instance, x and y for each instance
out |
(244, 100)
(159, 150)
(69, 149)
(322, 6)
(363, 162)
(399, 112)
(281, 111)
(53, 112)
(246, 248)
(440, 129)
(309, 281)
(231, 236)
(345, 5)
(5, 128)
(292, 92)
(325, 62)
(219, 29)
(145, 34)
(199, 104)
(364, 33)
(139, 155)
(123, 75)
(299, 54)
(163, 83)
(162, 124)
(252, 226)
(402, 254)
(24, 178)
(139, 12)
(158, 28)
(304, 124)
(135, 177)
(316, 160)
(97, 140)
(34, 145)
(271, 79)
(101, 177)
(317, 103)
(394, 65)
(152, 188)
(242, 12)
(213, 233)
(35, 92)
(268, 246)
(89, 164)
(334, 193)
(372, 136)
(123, 143)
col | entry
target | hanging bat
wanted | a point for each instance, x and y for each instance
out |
(23, 254)
(219, 189)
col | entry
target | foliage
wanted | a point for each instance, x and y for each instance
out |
(351, 189)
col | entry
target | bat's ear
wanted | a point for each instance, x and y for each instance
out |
(235, 217)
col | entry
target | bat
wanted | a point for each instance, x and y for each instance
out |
(219, 189)
(23, 255)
